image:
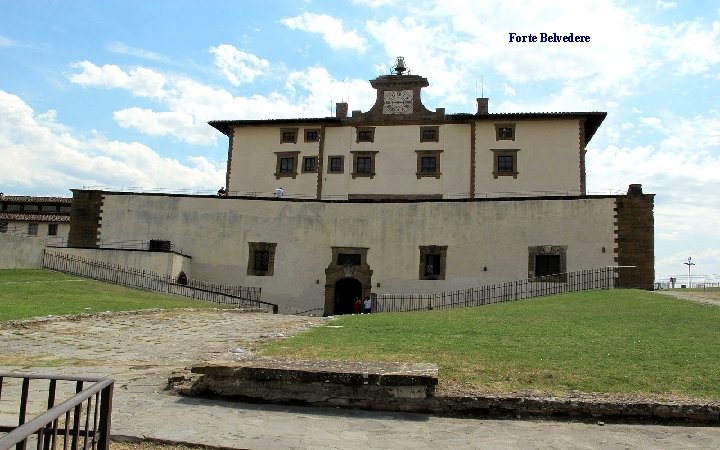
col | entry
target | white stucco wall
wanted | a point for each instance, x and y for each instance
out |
(22, 252)
(548, 160)
(478, 234)
(159, 262)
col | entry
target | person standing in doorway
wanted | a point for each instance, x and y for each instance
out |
(367, 305)
(357, 304)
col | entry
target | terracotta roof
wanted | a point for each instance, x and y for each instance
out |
(31, 199)
(19, 217)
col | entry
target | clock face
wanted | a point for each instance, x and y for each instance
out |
(398, 102)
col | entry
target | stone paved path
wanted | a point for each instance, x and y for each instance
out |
(141, 350)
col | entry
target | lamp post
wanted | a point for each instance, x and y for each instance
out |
(689, 263)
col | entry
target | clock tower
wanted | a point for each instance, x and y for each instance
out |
(398, 96)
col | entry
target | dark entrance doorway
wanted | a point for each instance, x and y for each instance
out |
(346, 290)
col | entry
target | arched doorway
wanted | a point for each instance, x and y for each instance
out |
(346, 290)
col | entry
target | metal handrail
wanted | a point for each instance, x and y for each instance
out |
(39, 425)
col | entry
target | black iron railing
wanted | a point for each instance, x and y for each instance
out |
(81, 421)
(583, 280)
(238, 296)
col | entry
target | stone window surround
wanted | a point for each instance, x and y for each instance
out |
(359, 130)
(363, 154)
(283, 132)
(314, 130)
(499, 126)
(505, 152)
(426, 153)
(342, 164)
(429, 128)
(425, 251)
(280, 156)
(261, 246)
(559, 250)
(303, 168)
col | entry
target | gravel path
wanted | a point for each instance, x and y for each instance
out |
(140, 351)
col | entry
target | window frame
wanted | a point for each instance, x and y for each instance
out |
(33, 228)
(315, 164)
(278, 164)
(428, 154)
(435, 251)
(284, 131)
(312, 130)
(436, 130)
(330, 166)
(4, 226)
(52, 229)
(360, 131)
(253, 248)
(547, 250)
(499, 131)
(364, 154)
(497, 154)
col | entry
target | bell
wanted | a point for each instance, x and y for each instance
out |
(400, 65)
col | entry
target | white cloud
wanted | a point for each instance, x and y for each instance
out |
(123, 49)
(141, 82)
(330, 28)
(695, 47)
(169, 123)
(45, 156)
(662, 4)
(237, 65)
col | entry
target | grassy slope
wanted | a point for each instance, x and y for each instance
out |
(32, 293)
(619, 342)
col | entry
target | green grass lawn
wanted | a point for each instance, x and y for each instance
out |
(617, 342)
(34, 293)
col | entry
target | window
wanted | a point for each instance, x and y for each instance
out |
(353, 259)
(312, 135)
(505, 131)
(365, 134)
(288, 135)
(549, 262)
(428, 163)
(3, 227)
(261, 258)
(429, 134)
(13, 208)
(52, 229)
(32, 229)
(48, 208)
(31, 208)
(309, 164)
(505, 163)
(363, 164)
(64, 209)
(432, 262)
(336, 164)
(286, 165)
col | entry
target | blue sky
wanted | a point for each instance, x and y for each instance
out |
(118, 93)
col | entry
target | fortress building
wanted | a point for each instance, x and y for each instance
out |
(397, 199)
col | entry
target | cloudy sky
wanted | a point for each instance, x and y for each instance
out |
(118, 93)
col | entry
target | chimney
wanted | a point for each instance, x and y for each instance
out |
(341, 110)
(482, 106)
(635, 189)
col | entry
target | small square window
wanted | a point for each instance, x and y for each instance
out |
(312, 135)
(432, 262)
(261, 258)
(429, 134)
(288, 135)
(366, 134)
(52, 229)
(336, 164)
(286, 165)
(32, 229)
(363, 164)
(505, 132)
(428, 163)
(505, 163)
(309, 164)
